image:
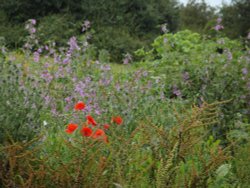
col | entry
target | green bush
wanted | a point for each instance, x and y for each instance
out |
(117, 41)
(197, 69)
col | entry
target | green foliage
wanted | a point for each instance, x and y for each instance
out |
(120, 26)
(117, 41)
(236, 18)
(162, 142)
(150, 156)
(195, 16)
(57, 28)
(191, 64)
(20, 105)
(13, 33)
(242, 166)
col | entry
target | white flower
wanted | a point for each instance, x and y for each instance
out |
(45, 123)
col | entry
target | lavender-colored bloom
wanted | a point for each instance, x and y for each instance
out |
(73, 44)
(185, 76)
(47, 99)
(98, 112)
(67, 107)
(56, 58)
(36, 56)
(40, 50)
(54, 111)
(145, 73)
(60, 72)
(68, 99)
(47, 76)
(32, 30)
(218, 27)
(68, 70)
(74, 79)
(33, 21)
(219, 20)
(244, 71)
(106, 82)
(46, 65)
(66, 60)
(176, 91)
(105, 68)
(127, 59)
(87, 80)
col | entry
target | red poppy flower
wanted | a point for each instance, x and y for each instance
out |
(98, 133)
(118, 120)
(106, 126)
(71, 128)
(79, 106)
(86, 131)
(90, 120)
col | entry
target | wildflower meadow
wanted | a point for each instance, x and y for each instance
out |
(175, 114)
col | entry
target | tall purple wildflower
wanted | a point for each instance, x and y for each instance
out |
(127, 59)
(218, 26)
(73, 45)
(36, 56)
(176, 91)
(244, 71)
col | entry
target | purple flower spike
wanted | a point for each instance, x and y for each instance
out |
(36, 57)
(33, 21)
(244, 71)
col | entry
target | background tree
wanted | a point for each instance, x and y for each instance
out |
(120, 26)
(196, 15)
(236, 18)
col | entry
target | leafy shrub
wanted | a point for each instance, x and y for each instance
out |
(196, 68)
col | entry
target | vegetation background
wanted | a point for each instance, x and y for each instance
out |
(121, 93)
(120, 27)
